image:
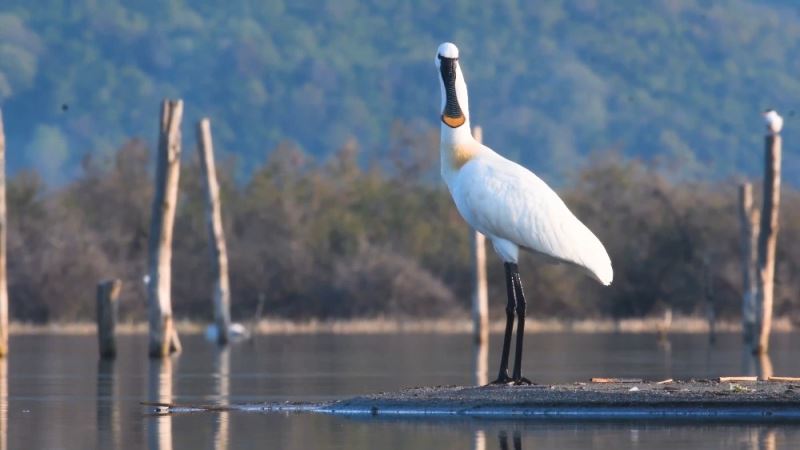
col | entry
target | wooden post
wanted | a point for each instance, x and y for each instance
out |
(749, 226)
(163, 337)
(480, 296)
(711, 313)
(3, 226)
(219, 254)
(107, 296)
(767, 240)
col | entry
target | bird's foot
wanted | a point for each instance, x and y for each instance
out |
(503, 378)
(522, 381)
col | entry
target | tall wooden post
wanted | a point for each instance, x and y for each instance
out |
(767, 240)
(749, 226)
(107, 296)
(3, 226)
(219, 254)
(711, 313)
(480, 296)
(163, 337)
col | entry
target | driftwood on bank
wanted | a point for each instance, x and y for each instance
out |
(107, 307)
(749, 225)
(767, 241)
(480, 296)
(216, 234)
(163, 337)
(3, 223)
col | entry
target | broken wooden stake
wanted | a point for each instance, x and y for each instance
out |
(107, 296)
(749, 218)
(767, 241)
(480, 295)
(3, 227)
(219, 253)
(163, 337)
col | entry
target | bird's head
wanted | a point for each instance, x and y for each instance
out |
(455, 105)
(773, 120)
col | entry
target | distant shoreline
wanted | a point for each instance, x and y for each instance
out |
(275, 326)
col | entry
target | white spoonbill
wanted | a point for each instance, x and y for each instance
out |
(509, 204)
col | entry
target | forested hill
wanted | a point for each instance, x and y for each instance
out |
(680, 82)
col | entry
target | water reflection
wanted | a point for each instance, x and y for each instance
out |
(3, 403)
(53, 381)
(108, 411)
(763, 438)
(766, 439)
(479, 443)
(222, 375)
(159, 388)
(503, 438)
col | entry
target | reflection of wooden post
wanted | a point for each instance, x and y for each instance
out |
(221, 428)
(3, 403)
(479, 442)
(748, 225)
(219, 254)
(163, 337)
(107, 295)
(107, 409)
(3, 280)
(159, 435)
(767, 240)
(480, 297)
(766, 439)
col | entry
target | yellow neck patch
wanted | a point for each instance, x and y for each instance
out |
(461, 154)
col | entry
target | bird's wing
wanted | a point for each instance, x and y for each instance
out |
(503, 199)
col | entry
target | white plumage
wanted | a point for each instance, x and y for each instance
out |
(510, 205)
(773, 120)
(515, 208)
(507, 202)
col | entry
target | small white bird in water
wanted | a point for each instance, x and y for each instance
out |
(774, 121)
(236, 332)
(509, 204)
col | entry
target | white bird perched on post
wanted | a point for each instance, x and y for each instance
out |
(509, 204)
(774, 121)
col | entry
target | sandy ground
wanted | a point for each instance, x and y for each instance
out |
(692, 400)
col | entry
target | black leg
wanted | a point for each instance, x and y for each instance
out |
(521, 307)
(502, 377)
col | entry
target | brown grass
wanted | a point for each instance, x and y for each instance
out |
(687, 324)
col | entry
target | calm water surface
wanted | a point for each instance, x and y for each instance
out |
(54, 394)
